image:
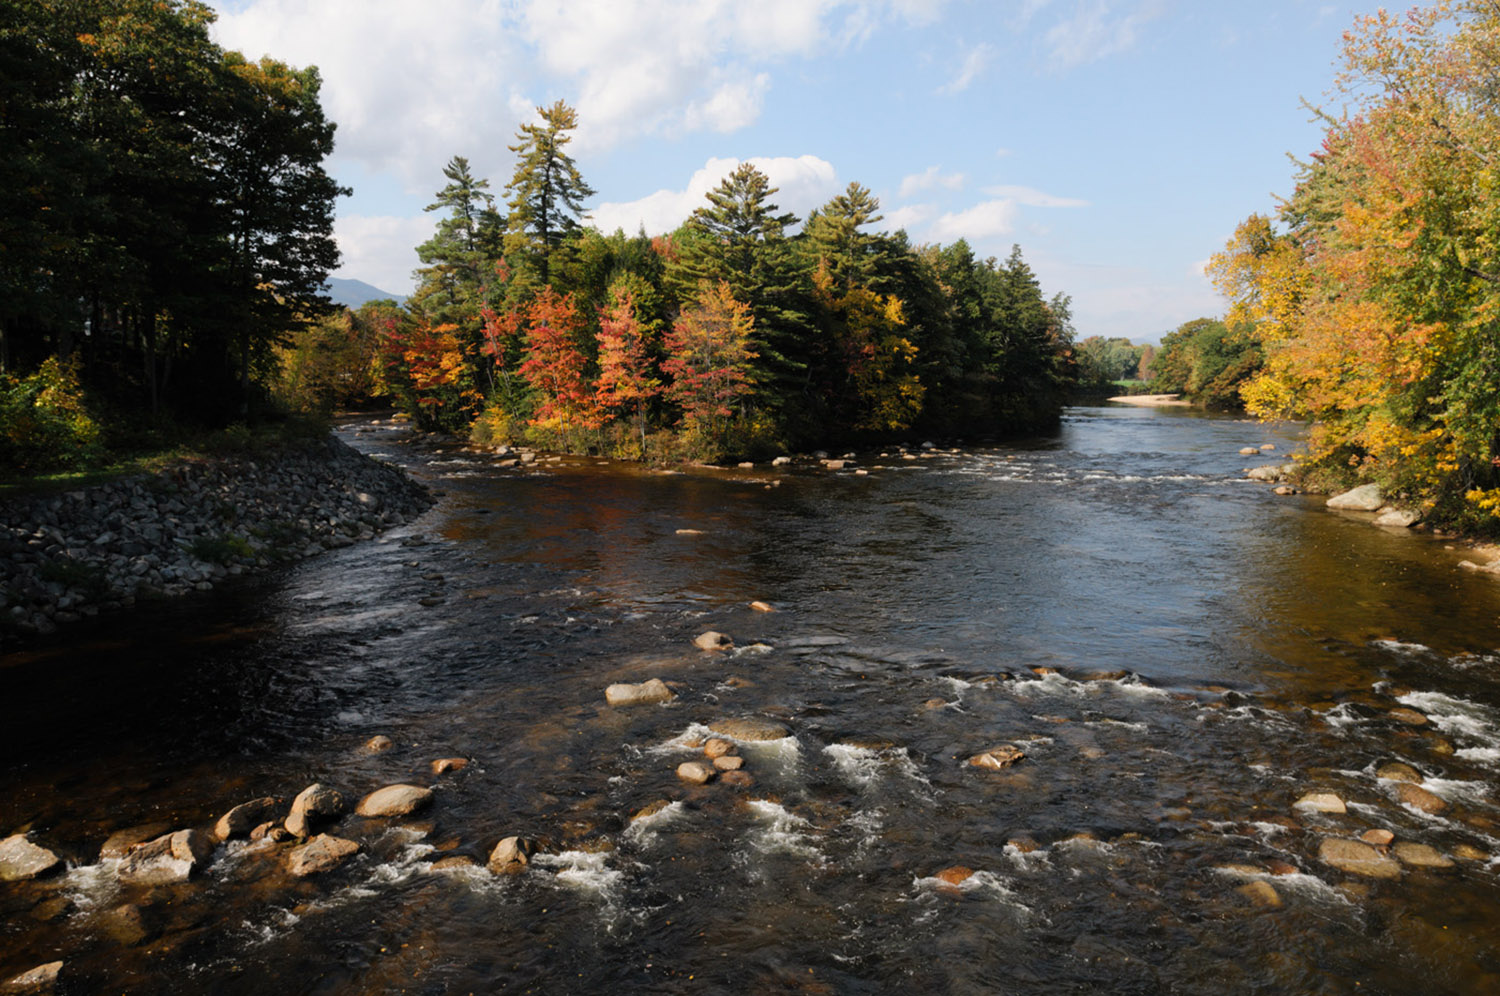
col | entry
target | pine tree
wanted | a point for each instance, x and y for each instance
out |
(460, 255)
(547, 191)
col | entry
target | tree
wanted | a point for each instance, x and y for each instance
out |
(555, 365)
(708, 357)
(627, 373)
(546, 192)
(460, 256)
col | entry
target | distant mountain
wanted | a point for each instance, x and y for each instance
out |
(353, 293)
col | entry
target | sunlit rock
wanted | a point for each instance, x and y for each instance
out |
(379, 743)
(712, 641)
(313, 804)
(956, 875)
(696, 772)
(42, 979)
(645, 693)
(997, 758)
(1417, 797)
(240, 820)
(762, 606)
(170, 858)
(444, 765)
(1378, 836)
(1260, 893)
(729, 762)
(20, 859)
(1365, 498)
(121, 842)
(1410, 717)
(1357, 858)
(1320, 802)
(749, 728)
(394, 800)
(322, 854)
(511, 856)
(1398, 518)
(1421, 855)
(1395, 771)
(716, 747)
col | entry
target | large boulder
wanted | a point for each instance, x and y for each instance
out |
(20, 859)
(41, 979)
(1398, 518)
(645, 693)
(122, 842)
(168, 859)
(321, 854)
(1357, 858)
(1269, 472)
(749, 729)
(1365, 498)
(395, 800)
(240, 820)
(315, 803)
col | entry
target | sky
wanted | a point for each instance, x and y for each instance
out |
(1118, 142)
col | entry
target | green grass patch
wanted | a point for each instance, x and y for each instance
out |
(220, 549)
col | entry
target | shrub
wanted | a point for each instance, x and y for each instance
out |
(44, 422)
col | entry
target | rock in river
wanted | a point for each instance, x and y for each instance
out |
(170, 858)
(312, 804)
(443, 765)
(1417, 797)
(322, 853)
(1365, 498)
(997, 758)
(41, 979)
(1357, 858)
(712, 641)
(20, 859)
(240, 820)
(511, 856)
(696, 772)
(1320, 802)
(1421, 855)
(645, 693)
(395, 800)
(1396, 771)
(749, 729)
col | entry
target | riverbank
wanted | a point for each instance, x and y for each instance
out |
(1151, 400)
(72, 555)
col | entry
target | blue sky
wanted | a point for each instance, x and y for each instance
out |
(1117, 141)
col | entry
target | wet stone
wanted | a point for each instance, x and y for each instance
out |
(1417, 797)
(1357, 858)
(444, 765)
(126, 925)
(272, 831)
(956, 875)
(1468, 852)
(712, 640)
(511, 856)
(395, 800)
(120, 843)
(1396, 771)
(379, 744)
(314, 803)
(997, 758)
(762, 606)
(1260, 893)
(1320, 802)
(168, 859)
(729, 762)
(749, 729)
(1023, 845)
(454, 861)
(41, 979)
(1378, 837)
(240, 820)
(645, 693)
(737, 779)
(20, 859)
(1410, 717)
(695, 772)
(322, 854)
(650, 809)
(716, 747)
(1421, 855)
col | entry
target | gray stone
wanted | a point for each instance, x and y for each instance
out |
(20, 859)
(321, 854)
(1365, 498)
(240, 820)
(395, 800)
(314, 803)
(1268, 473)
(42, 979)
(696, 772)
(168, 859)
(1398, 518)
(645, 693)
(749, 729)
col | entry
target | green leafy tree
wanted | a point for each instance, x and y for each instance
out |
(546, 192)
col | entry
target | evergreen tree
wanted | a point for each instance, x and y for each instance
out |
(461, 254)
(546, 192)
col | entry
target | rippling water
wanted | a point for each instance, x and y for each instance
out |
(1180, 654)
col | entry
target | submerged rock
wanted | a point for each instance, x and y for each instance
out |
(1421, 855)
(20, 859)
(759, 606)
(313, 804)
(1380, 837)
(1398, 518)
(321, 854)
(1261, 893)
(379, 743)
(443, 765)
(511, 856)
(42, 979)
(1365, 498)
(997, 758)
(741, 779)
(729, 762)
(749, 729)
(650, 809)
(1417, 797)
(121, 842)
(240, 820)
(1396, 771)
(394, 800)
(956, 875)
(1410, 717)
(126, 925)
(1357, 858)
(645, 693)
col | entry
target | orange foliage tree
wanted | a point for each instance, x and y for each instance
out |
(709, 356)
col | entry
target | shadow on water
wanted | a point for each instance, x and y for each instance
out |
(1180, 654)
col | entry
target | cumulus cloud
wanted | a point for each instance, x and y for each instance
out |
(1031, 197)
(1096, 30)
(381, 250)
(908, 217)
(930, 179)
(985, 220)
(802, 183)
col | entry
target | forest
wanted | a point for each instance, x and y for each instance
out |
(744, 332)
(1372, 298)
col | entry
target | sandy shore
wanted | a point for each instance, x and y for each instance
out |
(1152, 400)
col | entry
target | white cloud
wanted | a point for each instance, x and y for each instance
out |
(987, 219)
(731, 107)
(1031, 197)
(382, 250)
(802, 183)
(930, 179)
(974, 62)
(1096, 30)
(908, 217)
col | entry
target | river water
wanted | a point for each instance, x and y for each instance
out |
(1181, 655)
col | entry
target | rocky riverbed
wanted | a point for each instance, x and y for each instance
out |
(65, 557)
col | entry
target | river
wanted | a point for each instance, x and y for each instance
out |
(1180, 654)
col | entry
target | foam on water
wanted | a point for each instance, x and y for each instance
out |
(780, 831)
(92, 886)
(643, 830)
(1452, 789)
(982, 883)
(1455, 715)
(862, 767)
(1481, 755)
(588, 872)
(1058, 684)
(1398, 647)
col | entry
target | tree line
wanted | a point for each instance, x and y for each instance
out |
(743, 331)
(1373, 296)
